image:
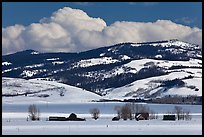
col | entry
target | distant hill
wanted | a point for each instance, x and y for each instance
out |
(121, 71)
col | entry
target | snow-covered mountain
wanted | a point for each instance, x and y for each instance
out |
(125, 70)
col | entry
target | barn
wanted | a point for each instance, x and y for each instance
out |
(72, 117)
(142, 116)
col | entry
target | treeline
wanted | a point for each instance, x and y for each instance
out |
(127, 111)
(169, 99)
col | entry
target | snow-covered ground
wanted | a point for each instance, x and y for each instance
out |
(139, 64)
(14, 120)
(37, 89)
(63, 100)
(152, 83)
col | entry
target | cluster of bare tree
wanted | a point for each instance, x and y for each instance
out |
(34, 112)
(182, 114)
(130, 110)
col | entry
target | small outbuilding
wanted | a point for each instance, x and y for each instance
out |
(142, 116)
(169, 117)
(54, 118)
(115, 118)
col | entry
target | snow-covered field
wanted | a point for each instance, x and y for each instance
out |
(14, 120)
(62, 100)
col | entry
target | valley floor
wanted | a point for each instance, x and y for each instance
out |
(102, 127)
(14, 120)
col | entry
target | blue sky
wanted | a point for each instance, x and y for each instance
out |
(187, 13)
(81, 26)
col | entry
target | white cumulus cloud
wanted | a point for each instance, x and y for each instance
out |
(12, 40)
(72, 30)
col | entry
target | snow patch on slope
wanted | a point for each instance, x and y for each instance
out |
(52, 59)
(139, 64)
(34, 53)
(8, 70)
(34, 66)
(28, 73)
(95, 61)
(6, 63)
(125, 57)
(169, 43)
(57, 62)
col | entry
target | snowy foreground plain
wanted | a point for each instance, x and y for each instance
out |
(14, 121)
(78, 101)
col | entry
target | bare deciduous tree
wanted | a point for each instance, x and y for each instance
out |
(118, 110)
(152, 115)
(178, 110)
(34, 113)
(187, 115)
(126, 112)
(95, 113)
